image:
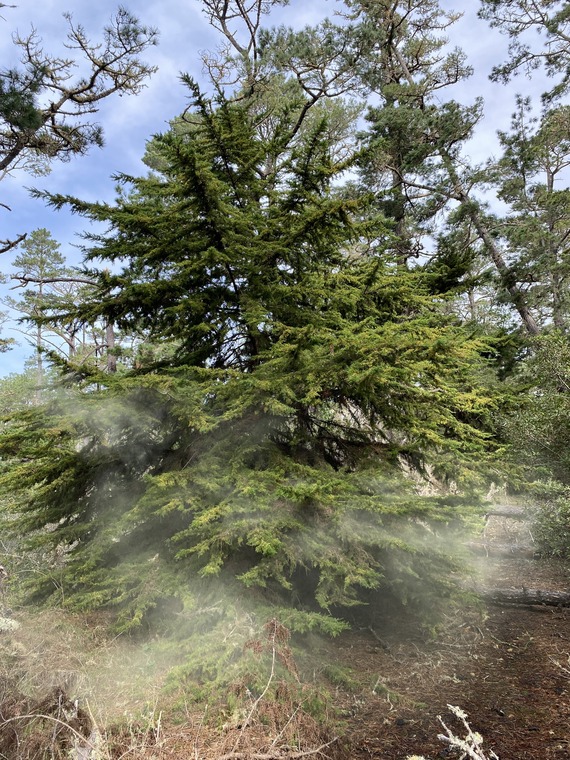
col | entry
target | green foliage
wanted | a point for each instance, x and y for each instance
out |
(295, 385)
(552, 525)
(148, 505)
(17, 100)
(550, 20)
(33, 133)
(539, 432)
(528, 178)
(308, 366)
(5, 343)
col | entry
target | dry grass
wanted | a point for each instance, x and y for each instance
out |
(63, 681)
(70, 692)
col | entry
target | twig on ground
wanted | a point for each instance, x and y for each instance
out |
(471, 745)
(565, 670)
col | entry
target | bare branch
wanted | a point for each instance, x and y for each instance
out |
(8, 245)
(26, 279)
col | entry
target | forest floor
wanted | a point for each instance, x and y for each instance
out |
(507, 667)
(509, 670)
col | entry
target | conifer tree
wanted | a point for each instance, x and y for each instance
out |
(303, 368)
(416, 161)
(524, 21)
(529, 178)
(5, 343)
(40, 259)
(49, 284)
(405, 62)
(45, 110)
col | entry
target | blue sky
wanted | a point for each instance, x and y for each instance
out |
(128, 122)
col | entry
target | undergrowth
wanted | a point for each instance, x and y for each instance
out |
(69, 690)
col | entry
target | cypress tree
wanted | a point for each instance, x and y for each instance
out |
(297, 373)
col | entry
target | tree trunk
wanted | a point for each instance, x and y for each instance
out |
(517, 296)
(111, 357)
(525, 596)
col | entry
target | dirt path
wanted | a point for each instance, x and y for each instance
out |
(507, 667)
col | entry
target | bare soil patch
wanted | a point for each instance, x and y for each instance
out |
(505, 670)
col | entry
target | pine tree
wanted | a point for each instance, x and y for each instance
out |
(40, 260)
(416, 161)
(407, 65)
(49, 285)
(529, 178)
(5, 343)
(45, 111)
(550, 19)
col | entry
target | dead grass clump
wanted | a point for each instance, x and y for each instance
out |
(278, 727)
(32, 729)
(69, 691)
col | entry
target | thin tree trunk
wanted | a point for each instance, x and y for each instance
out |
(110, 338)
(526, 596)
(517, 296)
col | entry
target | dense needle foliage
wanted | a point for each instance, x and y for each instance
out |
(290, 371)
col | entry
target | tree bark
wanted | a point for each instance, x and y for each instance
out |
(525, 596)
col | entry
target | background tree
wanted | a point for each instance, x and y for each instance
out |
(529, 177)
(45, 109)
(41, 260)
(50, 285)
(550, 21)
(406, 64)
(416, 160)
(5, 343)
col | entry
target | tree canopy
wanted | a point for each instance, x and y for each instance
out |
(305, 411)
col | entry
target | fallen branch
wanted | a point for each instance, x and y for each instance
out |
(525, 596)
(517, 513)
